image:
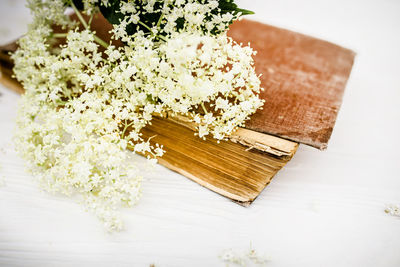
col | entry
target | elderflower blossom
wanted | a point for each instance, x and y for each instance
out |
(393, 210)
(244, 258)
(85, 106)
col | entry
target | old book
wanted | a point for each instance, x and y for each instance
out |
(304, 80)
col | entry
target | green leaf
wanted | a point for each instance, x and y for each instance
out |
(112, 12)
(114, 16)
(229, 6)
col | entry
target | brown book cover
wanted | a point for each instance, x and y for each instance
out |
(304, 80)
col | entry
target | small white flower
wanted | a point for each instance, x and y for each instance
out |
(393, 210)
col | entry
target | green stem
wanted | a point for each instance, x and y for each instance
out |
(159, 20)
(204, 108)
(144, 25)
(151, 31)
(59, 35)
(90, 20)
(100, 42)
(125, 128)
(162, 38)
(79, 15)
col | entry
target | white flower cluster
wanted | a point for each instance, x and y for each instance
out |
(393, 210)
(244, 258)
(84, 106)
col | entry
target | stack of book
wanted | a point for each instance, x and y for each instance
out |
(304, 80)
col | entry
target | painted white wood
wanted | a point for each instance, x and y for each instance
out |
(323, 209)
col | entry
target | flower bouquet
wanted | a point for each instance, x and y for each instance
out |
(172, 81)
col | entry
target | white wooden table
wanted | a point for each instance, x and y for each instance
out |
(324, 208)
